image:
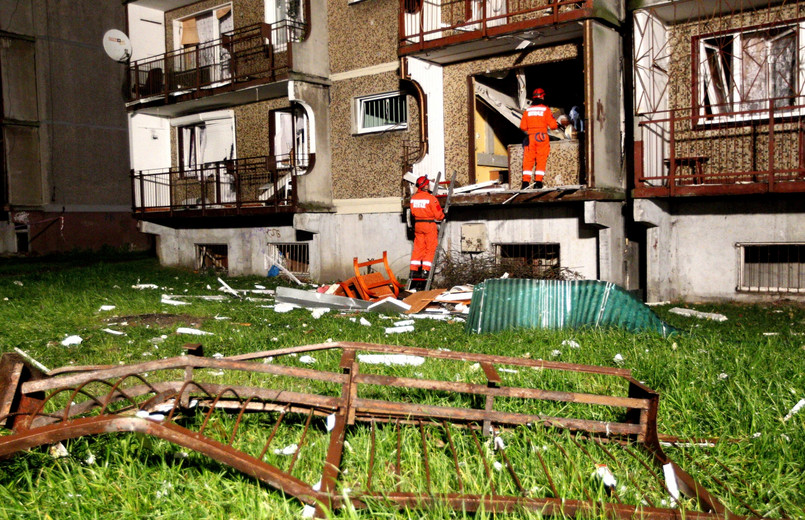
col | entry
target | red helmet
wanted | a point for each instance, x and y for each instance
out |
(422, 182)
(538, 94)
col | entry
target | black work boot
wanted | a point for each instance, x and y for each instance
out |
(538, 185)
(524, 186)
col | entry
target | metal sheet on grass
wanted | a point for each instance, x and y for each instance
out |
(503, 304)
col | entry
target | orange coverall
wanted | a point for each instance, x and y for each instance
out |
(536, 121)
(426, 211)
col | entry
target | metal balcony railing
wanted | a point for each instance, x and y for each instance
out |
(253, 185)
(687, 152)
(256, 52)
(426, 24)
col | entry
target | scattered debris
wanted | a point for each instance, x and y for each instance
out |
(287, 450)
(389, 305)
(71, 340)
(168, 301)
(226, 288)
(797, 407)
(570, 343)
(193, 332)
(308, 360)
(31, 360)
(398, 330)
(106, 308)
(302, 298)
(606, 476)
(391, 359)
(114, 332)
(142, 286)
(618, 359)
(285, 307)
(698, 314)
(318, 312)
(58, 451)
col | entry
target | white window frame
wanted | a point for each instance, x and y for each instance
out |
(727, 114)
(361, 104)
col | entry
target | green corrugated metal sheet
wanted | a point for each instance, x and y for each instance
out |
(501, 304)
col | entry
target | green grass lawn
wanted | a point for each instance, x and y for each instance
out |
(734, 380)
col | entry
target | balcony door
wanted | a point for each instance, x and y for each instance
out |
(205, 142)
(201, 56)
(286, 18)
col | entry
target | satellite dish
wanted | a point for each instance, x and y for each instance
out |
(117, 45)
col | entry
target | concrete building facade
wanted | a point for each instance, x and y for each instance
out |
(64, 183)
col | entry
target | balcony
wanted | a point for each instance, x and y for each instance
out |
(448, 30)
(251, 186)
(255, 54)
(687, 153)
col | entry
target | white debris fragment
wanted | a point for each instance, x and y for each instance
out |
(167, 487)
(58, 451)
(106, 308)
(308, 360)
(226, 288)
(318, 312)
(285, 307)
(398, 330)
(785, 437)
(556, 353)
(570, 343)
(142, 286)
(114, 332)
(90, 460)
(797, 407)
(499, 444)
(403, 323)
(475, 366)
(771, 333)
(366, 323)
(30, 359)
(17, 282)
(756, 435)
(618, 359)
(653, 304)
(603, 472)
(287, 450)
(145, 414)
(508, 370)
(670, 480)
(167, 301)
(222, 317)
(497, 465)
(258, 286)
(217, 373)
(723, 376)
(308, 511)
(330, 422)
(698, 314)
(193, 332)
(218, 355)
(391, 359)
(71, 340)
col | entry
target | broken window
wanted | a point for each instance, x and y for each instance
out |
(204, 139)
(772, 267)
(381, 112)
(212, 256)
(540, 259)
(289, 137)
(750, 71)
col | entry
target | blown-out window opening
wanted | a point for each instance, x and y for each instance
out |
(538, 256)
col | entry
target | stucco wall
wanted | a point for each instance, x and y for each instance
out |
(691, 244)
(456, 97)
(367, 165)
(362, 34)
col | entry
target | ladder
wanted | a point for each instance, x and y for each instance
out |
(441, 231)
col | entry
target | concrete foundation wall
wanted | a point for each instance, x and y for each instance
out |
(691, 252)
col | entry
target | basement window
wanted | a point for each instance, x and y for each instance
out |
(293, 256)
(212, 256)
(381, 112)
(529, 259)
(771, 268)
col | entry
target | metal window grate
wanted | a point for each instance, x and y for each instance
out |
(212, 256)
(771, 267)
(382, 112)
(540, 258)
(293, 256)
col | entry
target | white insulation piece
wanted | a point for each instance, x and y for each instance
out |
(670, 480)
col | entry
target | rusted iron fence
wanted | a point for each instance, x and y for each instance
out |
(429, 23)
(259, 51)
(687, 152)
(583, 443)
(267, 182)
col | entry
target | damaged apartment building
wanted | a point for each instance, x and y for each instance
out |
(289, 131)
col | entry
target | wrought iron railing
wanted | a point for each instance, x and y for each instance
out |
(431, 23)
(259, 51)
(688, 152)
(255, 183)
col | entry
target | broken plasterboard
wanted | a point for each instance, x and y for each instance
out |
(316, 299)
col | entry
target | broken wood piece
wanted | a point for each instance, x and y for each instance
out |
(421, 299)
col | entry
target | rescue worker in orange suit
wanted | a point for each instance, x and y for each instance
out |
(426, 212)
(536, 121)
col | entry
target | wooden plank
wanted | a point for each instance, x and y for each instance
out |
(421, 299)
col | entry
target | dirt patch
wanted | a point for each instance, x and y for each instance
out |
(158, 320)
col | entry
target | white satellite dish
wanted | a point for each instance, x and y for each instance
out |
(117, 45)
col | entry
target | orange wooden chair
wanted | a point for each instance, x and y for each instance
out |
(372, 285)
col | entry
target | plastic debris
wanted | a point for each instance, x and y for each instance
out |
(391, 359)
(403, 323)
(698, 314)
(618, 359)
(287, 450)
(145, 414)
(114, 332)
(193, 332)
(670, 480)
(723, 376)
(167, 301)
(570, 343)
(330, 422)
(71, 340)
(797, 407)
(308, 360)
(58, 451)
(318, 312)
(389, 304)
(399, 330)
(226, 288)
(106, 308)
(285, 307)
(218, 355)
(308, 511)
